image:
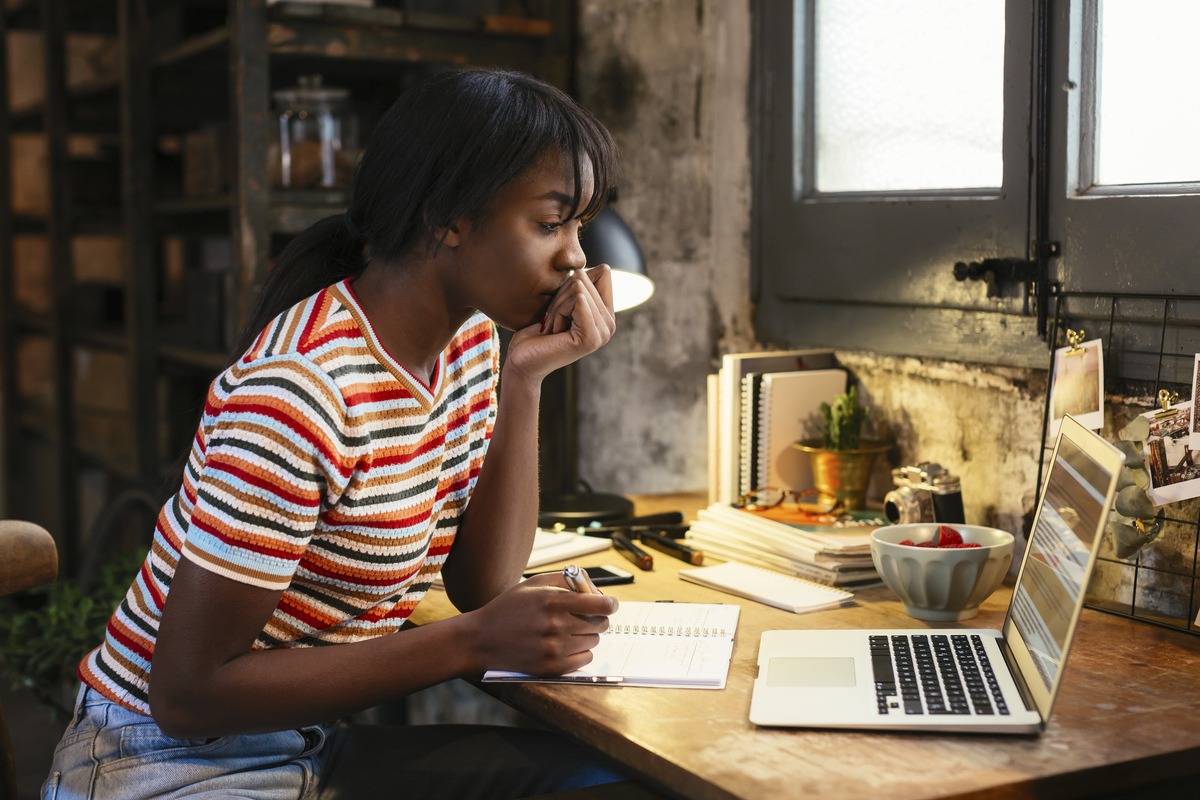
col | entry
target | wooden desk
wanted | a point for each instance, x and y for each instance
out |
(1127, 715)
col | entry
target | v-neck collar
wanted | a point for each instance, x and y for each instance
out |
(426, 394)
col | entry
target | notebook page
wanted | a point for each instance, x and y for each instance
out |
(686, 619)
(682, 645)
(661, 660)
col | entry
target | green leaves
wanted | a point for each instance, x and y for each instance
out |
(45, 632)
(843, 421)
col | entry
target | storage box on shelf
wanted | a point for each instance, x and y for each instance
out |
(92, 61)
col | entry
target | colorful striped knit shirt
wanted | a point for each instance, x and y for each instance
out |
(321, 468)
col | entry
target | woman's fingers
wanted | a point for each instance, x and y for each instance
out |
(580, 305)
(601, 279)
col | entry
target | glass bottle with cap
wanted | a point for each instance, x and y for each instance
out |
(318, 136)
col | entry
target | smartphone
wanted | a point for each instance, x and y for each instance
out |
(606, 575)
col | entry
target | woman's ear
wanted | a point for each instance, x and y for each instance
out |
(450, 237)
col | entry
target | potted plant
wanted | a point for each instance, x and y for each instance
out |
(841, 458)
(45, 632)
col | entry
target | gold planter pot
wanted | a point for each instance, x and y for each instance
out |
(843, 474)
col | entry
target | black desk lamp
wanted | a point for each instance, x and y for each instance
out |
(605, 240)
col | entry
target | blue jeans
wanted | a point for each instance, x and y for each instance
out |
(111, 753)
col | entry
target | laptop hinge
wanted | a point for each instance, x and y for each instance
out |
(1018, 678)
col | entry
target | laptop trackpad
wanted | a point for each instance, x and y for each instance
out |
(810, 672)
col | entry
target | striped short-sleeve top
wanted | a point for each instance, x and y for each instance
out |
(322, 468)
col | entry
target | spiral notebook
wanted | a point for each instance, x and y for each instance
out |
(664, 645)
(767, 586)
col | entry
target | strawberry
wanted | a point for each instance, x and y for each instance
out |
(926, 544)
(908, 542)
(948, 536)
(961, 546)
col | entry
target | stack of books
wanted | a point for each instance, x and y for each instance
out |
(758, 405)
(837, 556)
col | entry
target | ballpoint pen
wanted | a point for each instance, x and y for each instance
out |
(671, 547)
(578, 580)
(635, 554)
(671, 531)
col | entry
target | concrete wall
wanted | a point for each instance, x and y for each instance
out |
(671, 79)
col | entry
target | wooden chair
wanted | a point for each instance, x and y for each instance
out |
(28, 558)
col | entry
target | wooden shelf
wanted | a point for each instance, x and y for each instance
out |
(40, 423)
(356, 16)
(293, 210)
(211, 42)
(17, 6)
(101, 339)
(88, 90)
(32, 321)
(193, 357)
(472, 47)
(106, 461)
(193, 205)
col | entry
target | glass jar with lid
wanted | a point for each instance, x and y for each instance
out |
(318, 136)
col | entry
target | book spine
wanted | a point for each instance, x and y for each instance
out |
(746, 460)
(764, 430)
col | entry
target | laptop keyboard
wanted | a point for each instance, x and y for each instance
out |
(935, 674)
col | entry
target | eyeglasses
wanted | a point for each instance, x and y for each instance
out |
(768, 497)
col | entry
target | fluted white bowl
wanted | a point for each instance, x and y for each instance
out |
(941, 584)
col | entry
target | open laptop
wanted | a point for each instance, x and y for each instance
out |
(977, 681)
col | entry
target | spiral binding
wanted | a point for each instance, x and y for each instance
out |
(664, 630)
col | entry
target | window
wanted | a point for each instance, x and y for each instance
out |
(909, 96)
(896, 139)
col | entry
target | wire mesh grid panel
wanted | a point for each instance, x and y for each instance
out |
(1149, 343)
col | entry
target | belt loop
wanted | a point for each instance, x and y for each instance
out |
(80, 705)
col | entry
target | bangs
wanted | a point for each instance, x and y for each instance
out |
(536, 120)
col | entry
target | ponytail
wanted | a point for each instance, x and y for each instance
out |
(320, 256)
(441, 153)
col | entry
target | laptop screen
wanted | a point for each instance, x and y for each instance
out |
(1056, 568)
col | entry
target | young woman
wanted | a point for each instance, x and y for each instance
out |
(340, 466)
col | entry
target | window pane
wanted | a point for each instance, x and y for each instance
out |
(1148, 77)
(909, 96)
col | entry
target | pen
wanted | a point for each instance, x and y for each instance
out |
(672, 531)
(577, 579)
(666, 544)
(605, 679)
(632, 552)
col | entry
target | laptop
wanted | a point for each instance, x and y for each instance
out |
(977, 681)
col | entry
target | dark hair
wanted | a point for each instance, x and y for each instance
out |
(439, 154)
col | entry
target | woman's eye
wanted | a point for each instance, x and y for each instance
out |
(550, 227)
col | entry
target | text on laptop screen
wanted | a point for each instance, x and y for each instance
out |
(1047, 595)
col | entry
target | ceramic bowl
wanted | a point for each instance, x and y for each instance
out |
(941, 584)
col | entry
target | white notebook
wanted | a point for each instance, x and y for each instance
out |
(788, 408)
(551, 546)
(665, 645)
(766, 586)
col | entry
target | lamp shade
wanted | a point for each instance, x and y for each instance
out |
(608, 240)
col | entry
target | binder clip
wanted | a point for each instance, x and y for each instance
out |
(1166, 399)
(1075, 339)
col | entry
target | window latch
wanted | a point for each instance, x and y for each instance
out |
(997, 273)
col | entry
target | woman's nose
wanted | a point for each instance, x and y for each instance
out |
(572, 256)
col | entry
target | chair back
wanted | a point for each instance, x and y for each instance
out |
(28, 558)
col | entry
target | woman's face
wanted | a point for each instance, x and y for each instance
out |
(510, 263)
